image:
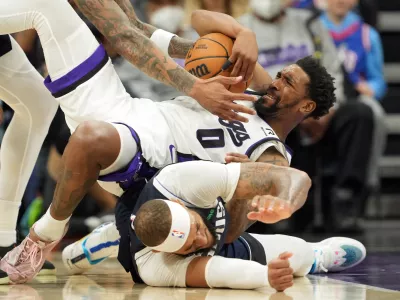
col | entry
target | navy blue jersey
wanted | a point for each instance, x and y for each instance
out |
(129, 204)
(5, 44)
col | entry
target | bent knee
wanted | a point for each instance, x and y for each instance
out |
(95, 136)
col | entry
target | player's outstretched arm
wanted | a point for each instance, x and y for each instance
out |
(178, 48)
(111, 20)
(222, 272)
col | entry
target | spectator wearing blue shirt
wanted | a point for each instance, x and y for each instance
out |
(360, 49)
(360, 46)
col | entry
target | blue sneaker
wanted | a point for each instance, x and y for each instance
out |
(337, 254)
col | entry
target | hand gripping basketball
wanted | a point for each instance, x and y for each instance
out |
(216, 54)
(214, 92)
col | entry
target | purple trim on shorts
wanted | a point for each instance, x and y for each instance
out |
(133, 167)
(130, 172)
(182, 157)
(77, 73)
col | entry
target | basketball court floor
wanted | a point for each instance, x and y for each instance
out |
(377, 278)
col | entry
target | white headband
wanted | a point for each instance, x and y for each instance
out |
(179, 231)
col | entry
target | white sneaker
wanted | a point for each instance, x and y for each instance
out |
(91, 250)
(337, 254)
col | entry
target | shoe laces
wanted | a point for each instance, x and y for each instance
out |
(30, 253)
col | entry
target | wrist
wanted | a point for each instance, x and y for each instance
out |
(245, 31)
(195, 88)
(162, 39)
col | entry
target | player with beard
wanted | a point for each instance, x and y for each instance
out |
(135, 137)
(187, 229)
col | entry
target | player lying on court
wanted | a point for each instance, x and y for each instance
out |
(33, 115)
(187, 230)
(135, 137)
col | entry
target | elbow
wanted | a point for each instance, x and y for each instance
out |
(196, 15)
(197, 19)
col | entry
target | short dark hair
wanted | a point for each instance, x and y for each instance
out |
(321, 88)
(153, 222)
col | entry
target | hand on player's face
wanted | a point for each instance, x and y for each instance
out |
(199, 237)
(269, 209)
(280, 274)
(244, 55)
(213, 95)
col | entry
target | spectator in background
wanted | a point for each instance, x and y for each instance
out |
(284, 35)
(360, 50)
(309, 4)
(368, 9)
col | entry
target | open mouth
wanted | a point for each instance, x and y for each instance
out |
(270, 98)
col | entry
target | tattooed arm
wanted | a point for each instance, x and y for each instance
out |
(115, 23)
(129, 41)
(258, 181)
(178, 48)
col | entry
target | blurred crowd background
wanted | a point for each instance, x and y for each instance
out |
(352, 155)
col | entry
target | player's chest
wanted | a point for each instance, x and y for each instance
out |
(234, 134)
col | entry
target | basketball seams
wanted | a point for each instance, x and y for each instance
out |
(199, 58)
(212, 64)
(208, 39)
(226, 51)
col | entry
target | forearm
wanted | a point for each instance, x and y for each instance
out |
(178, 47)
(260, 179)
(115, 23)
(261, 79)
(205, 22)
(239, 223)
(231, 273)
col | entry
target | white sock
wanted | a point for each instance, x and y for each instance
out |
(8, 217)
(65, 38)
(21, 87)
(50, 229)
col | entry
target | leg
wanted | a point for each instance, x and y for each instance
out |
(330, 255)
(377, 149)
(303, 254)
(94, 147)
(65, 39)
(351, 132)
(21, 87)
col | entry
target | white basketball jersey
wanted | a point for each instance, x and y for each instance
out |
(169, 131)
(198, 133)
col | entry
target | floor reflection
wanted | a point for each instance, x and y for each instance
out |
(110, 283)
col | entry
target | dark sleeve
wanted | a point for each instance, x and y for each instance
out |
(5, 44)
(62, 136)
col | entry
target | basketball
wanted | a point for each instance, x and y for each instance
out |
(207, 56)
